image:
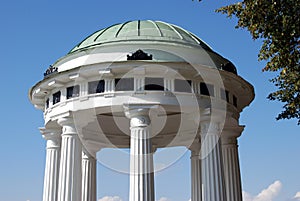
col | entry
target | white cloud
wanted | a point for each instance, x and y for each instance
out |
(296, 197)
(110, 198)
(164, 199)
(247, 196)
(267, 194)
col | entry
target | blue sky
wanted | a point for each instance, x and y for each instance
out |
(34, 34)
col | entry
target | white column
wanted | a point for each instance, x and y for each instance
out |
(88, 177)
(169, 84)
(70, 163)
(231, 169)
(212, 164)
(196, 180)
(141, 157)
(196, 87)
(139, 83)
(109, 85)
(52, 163)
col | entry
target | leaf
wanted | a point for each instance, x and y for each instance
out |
(277, 23)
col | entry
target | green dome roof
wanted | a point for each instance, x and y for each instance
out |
(138, 31)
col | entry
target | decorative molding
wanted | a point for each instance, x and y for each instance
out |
(139, 121)
(55, 83)
(66, 121)
(229, 67)
(40, 91)
(39, 107)
(132, 110)
(52, 136)
(235, 131)
(229, 141)
(60, 115)
(76, 77)
(139, 55)
(106, 72)
(50, 70)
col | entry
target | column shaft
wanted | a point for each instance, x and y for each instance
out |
(52, 164)
(70, 165)
(232, 169)
(141, 156)
(212, 164)
(196, 185)
(88, 177)
(141, 165)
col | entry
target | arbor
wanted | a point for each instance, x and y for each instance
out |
(277, 23)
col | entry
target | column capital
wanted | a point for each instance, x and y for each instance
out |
(68, 126)
(65, 121)
(138, 114)
(195, 148)
(53, 137)
(133, 110)
(154, 149)
(87, 155)
(50, 133)
(210, 127)
(229, 141)
(195, 155)
(232, 132)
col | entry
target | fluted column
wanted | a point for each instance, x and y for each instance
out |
(141, 157)
(212, 164)
(52, 163)
(231, 169)
(196, 175)
(70, 163)
(88, 177)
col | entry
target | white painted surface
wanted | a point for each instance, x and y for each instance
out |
(232, 169)
(70, 179)
(52, 163)
(141, 157)
(212, 164)
(89, 184)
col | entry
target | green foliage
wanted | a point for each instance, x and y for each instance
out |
(277, 23)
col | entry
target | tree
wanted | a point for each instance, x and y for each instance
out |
(277, 23)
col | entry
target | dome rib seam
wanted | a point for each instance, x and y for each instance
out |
(139, 27)
(171, 26)
(104, 31)
(157, 27)
(118, 32)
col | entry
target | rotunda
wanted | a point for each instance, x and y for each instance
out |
(142, 85)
